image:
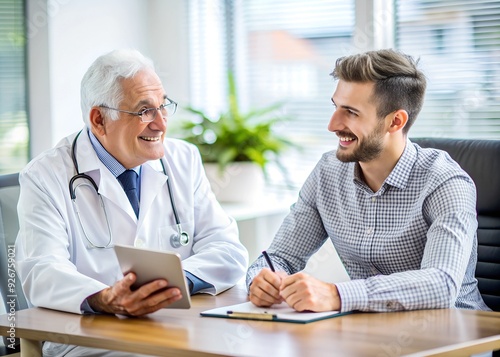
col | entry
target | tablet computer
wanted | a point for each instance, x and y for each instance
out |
(149, 265)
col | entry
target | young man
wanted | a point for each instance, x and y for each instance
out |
(402, 218)
(73, 205)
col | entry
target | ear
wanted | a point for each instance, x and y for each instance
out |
(398, 119)
(96, 119)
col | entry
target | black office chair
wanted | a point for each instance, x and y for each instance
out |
(481, 160)
(9, 226)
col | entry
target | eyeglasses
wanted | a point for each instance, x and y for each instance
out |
(148, 115)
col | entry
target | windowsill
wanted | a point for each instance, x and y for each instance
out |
(259, 221)
(267, 206)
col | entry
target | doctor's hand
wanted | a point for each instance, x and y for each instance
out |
(304, 292)
(264, 290)
(120, 299)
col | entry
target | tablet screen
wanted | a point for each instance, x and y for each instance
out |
(149, 265)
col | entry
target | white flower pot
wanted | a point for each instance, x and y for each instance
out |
(241, 182)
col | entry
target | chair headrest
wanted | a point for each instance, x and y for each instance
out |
(481, 160)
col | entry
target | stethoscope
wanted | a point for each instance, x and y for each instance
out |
(181, 238)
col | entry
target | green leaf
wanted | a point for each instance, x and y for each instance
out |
(235, 136)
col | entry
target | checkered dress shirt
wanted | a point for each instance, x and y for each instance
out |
(410, 245)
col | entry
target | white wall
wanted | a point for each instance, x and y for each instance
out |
(65, 37)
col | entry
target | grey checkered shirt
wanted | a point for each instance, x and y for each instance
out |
(410, 245)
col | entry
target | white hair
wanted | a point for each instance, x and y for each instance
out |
(101, 84)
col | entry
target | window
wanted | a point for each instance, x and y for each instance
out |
(291, 49)
(458, 43)
(284, 50)
(280, 51)
(13, 118)
(208, 46)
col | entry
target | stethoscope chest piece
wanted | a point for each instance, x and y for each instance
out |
(179, 239)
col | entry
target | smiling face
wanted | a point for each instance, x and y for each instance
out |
(128, 139)
(361, 133)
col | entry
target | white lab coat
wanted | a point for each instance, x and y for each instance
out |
(57, 268)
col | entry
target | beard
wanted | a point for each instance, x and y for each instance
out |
(369, 149)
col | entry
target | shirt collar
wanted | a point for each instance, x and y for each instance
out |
(107, 159)
(400, 174)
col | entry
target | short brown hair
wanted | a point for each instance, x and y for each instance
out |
(399, 84)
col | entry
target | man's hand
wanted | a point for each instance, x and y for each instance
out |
(303, 292)
(120, 299)
(264, 290)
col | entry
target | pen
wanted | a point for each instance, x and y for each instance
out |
(268, 260)
(252, 315)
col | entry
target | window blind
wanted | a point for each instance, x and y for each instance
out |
(208, 48)
(291, 49)
(458, 43)
(13, 118)
(283, 51)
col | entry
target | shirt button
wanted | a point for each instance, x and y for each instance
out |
(390, 305)
(374, 199)
(369, 231)
(139, 243)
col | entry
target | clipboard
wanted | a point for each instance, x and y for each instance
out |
(278, 313)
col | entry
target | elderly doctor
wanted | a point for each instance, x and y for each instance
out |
(63, 254)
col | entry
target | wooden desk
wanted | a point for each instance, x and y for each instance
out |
(185, 333)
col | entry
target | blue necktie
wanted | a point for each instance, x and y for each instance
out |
(128, 180)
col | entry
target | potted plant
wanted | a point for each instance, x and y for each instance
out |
(236, 147)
